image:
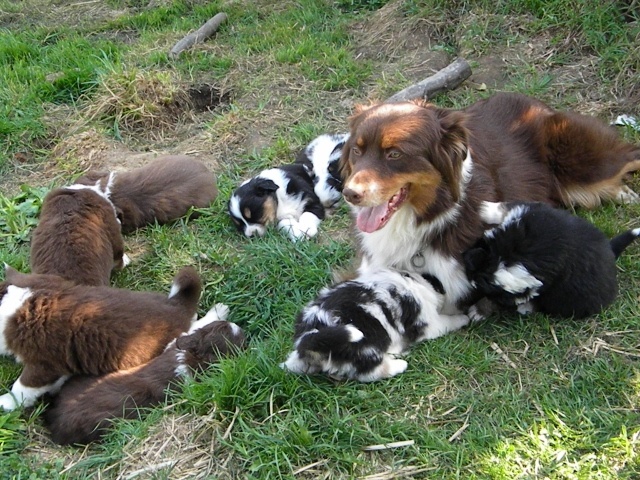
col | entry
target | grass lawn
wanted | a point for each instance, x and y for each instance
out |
(91, 85)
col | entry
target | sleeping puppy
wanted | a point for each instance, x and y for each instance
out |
(86, 406)
(161, 191)
(282, 195)
(321, 159)
(356, 329)
(57, 329)
(542, 259)
(78, 236)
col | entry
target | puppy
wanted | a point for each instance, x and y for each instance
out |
(356, 329)
(78, 236)
(56, 328)
(542, 259)
(284, 195)
(86, 406)
(321, 158)
(416, 174)
(161, 191)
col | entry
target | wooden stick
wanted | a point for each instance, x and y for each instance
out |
(204, 32)
(386, 446)
(446, 79)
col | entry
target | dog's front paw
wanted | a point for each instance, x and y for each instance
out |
(221, 311)
(297, 231)
(8, 402)
(525, 308)
(126, 260)
(474, 314)
(627, 196)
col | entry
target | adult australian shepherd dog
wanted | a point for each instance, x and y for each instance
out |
(416, 174)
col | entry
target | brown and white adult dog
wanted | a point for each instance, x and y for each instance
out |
(415, 176)
(57, 329)
(161, 191)
(86, 406)
(78, 236)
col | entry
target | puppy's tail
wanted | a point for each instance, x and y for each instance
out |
(186, 288)
(622, 241)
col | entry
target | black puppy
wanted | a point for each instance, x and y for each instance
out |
(543, 259)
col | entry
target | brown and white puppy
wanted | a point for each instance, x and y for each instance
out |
(415, 176)
(86, 406)
(78, 236)
(56, 328)
(161, 191)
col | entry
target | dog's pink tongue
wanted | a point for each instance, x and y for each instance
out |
(370, 218)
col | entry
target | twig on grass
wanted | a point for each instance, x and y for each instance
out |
(464, 426)
(308, 467)
(448, 78)
(504, 356)
(399, 473)
(151, 468)
(233, 420)
(387, 446)
(204, 32)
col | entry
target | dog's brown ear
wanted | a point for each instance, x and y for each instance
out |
(452, 149)
(187, 342)
(344, 166)
(360, 108)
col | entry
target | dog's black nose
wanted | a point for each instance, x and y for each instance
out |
(352, 196)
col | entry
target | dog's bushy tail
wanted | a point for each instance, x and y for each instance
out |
(186, 288)
(622, 241)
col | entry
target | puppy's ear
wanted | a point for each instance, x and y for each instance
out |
(360, 108)
(120, 215)
(187, 342)
(265, 187)
(475, 260)
(451, 150)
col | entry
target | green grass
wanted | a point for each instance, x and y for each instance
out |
(560, 402)
(40, 67)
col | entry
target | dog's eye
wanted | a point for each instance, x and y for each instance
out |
(393, 154)
(356, 151)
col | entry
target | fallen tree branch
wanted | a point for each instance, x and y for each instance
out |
(446, 79)
(204, 32)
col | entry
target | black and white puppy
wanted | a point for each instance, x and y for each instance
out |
(357, 328)
(542, 259)
(321, 158)
(282, 195)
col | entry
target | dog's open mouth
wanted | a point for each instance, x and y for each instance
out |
(370, 219)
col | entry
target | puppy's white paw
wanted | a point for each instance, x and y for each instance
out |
(396, 366)
(308, 224)
(126, 260)
(627, 196)
(221, 311)
(8, 402)
(218, 313)
(475, 315)
(525, 308)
